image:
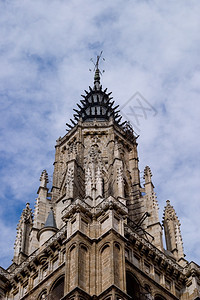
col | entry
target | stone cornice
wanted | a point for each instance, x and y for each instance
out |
(97, 125)
(146, 248)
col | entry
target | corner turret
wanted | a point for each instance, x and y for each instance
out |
(49, 229)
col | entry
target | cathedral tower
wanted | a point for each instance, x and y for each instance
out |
(97, 234)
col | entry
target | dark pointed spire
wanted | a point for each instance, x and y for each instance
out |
(97, 85)
(97, 104)
(50, 221)
(97, 78)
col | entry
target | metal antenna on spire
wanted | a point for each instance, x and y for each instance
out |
(96, 65)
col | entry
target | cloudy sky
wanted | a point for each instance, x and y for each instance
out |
(151, 51)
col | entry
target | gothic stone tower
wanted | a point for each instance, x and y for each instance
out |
(96, 234)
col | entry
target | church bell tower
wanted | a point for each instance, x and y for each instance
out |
(96, 234)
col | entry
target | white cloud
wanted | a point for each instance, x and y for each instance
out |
(150, 47)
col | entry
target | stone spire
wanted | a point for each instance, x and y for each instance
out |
(97, 72)
(152, 203)
(97, 79)
(41, 201)
(173, 236)
(96, 104)
(22, 238)
(153, 225)
(41, 210)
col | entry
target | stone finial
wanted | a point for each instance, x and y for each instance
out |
(27, 215)
(172, 231)
(147, 175)
(44, 179)
(169, 213)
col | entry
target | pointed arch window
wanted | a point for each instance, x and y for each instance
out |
(132, 286)
(159, 297)
(57, 291)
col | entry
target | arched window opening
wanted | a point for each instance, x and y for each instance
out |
(103, 187)
(57, 291)
(159, 297)
(104, 248)
(72, 248)
(117, 266)
(117, 246)
(132, 287)
(84, 248)
(83, 268)
(72, 267)
(126, 189)
(105, 265)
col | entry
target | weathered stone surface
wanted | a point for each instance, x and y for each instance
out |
(106, 241)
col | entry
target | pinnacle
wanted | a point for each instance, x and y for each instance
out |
(168, 205)
(44, 179)
(169, 212)
(147, 174)
(27, 213)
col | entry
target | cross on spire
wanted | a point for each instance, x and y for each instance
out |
(96, 68)
(96, 65)
(98, 58)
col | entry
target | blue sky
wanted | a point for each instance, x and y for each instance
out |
(150, 47)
